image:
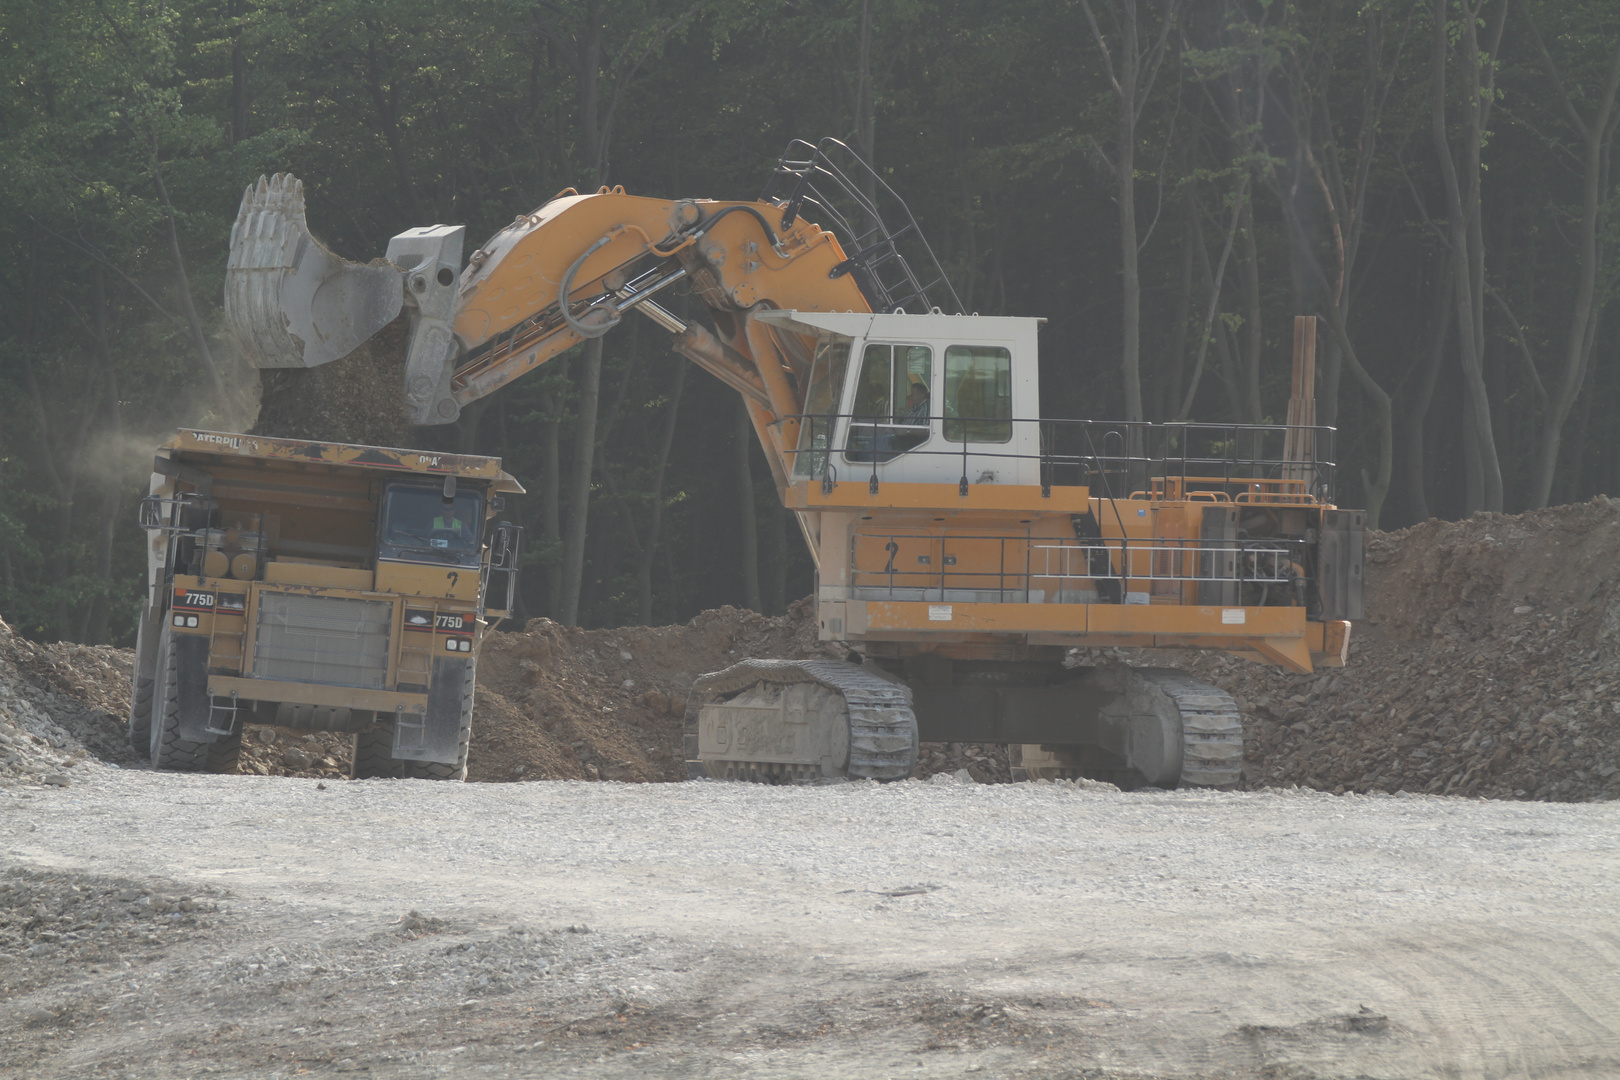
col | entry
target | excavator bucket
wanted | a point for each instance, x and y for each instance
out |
(288, 300)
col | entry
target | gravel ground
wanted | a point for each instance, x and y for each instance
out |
(156, 925)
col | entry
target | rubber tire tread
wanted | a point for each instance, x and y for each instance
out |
(140, 715)
(437, 770)
(166, 748)
(374, 753)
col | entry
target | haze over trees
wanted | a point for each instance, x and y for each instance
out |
(1168, 183)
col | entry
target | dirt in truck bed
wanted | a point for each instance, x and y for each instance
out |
(1488, 665)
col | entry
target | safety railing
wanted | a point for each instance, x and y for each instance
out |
(890, 260)
(1005, 568)
(1246, 463)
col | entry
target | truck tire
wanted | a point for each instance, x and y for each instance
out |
(373, 753)
(165, 748)
(433, 770)
(140, 714)
(145, 686)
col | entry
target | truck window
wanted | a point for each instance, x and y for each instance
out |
(893, 402)
(821, 404)
(418, 525)
(978, 394)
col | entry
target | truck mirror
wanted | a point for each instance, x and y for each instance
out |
(504, 545)
(450, 489)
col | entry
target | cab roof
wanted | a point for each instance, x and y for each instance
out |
(192, 444)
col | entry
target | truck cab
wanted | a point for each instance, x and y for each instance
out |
(318, 586)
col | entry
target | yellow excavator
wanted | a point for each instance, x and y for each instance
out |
(970, 552)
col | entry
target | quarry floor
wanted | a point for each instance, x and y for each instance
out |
(159, 925)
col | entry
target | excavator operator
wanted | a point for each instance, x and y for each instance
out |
(916, 404)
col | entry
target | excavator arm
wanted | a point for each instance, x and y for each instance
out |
(570, 271)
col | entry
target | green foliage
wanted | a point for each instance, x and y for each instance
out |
(988, 119)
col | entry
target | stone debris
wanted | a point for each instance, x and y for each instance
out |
(1488, 665)
(62, 707)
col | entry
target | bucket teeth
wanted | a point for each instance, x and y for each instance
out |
(289, 301)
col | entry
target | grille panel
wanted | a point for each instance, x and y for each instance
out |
(334, 641)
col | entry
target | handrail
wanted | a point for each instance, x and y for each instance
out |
(1242, 463)
(1264, 562)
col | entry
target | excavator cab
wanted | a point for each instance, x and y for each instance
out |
(933, 399)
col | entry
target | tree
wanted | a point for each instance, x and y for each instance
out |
(1591, 33)
(1461, 171)
(1130, 75)
(604, 46)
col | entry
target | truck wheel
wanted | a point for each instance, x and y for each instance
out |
(140, 714)
(373, 752)
(166, 749)
(145, 684)
(433, 770)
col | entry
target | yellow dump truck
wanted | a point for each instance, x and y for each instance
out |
(321, 587)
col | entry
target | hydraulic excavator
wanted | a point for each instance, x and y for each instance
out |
(971, 553)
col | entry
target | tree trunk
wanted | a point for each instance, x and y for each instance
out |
(239, 75)
(776, 535)
(1417, 407)
(551, 498)
(1461, 183)
(743, 442)
(199, 337)
(579, 487)
(866, 100)
(1251, 411)
(1597, 137)
(1130, 277)
(1131, 77)
(666, 439)
(1169, 397)
(93, 629)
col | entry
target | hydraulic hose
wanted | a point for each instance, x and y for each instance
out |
(578, 326)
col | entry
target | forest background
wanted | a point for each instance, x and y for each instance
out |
(1168, 182)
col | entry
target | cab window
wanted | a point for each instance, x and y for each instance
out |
(821, 404)
(893, 404)
(418, 525)
(978, 394)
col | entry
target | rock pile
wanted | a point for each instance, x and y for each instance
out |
(557, 702)
(62, 707)
(1488, 665)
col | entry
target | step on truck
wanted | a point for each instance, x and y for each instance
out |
(318, 586)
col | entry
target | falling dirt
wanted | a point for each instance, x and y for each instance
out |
(356, 399)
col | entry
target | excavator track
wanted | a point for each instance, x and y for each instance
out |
(778, 721)
(1210, 728)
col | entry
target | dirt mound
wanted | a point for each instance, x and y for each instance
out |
(1489, 664)
(357, 399)
(558, 702)
(60, 705)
